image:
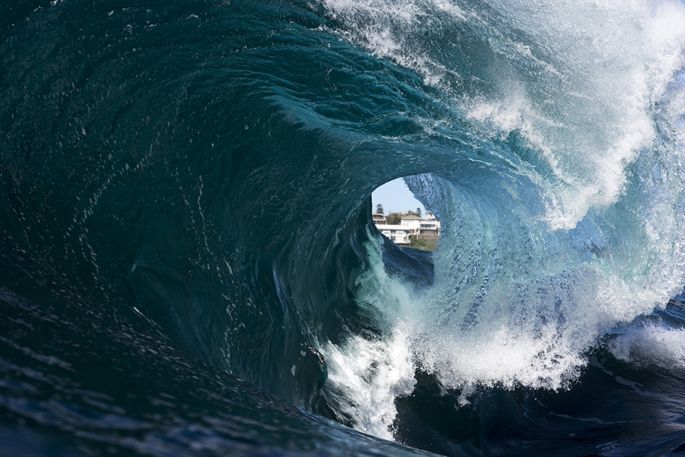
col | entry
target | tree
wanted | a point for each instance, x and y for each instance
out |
(379, 209)
(394, 219)
(418, 212)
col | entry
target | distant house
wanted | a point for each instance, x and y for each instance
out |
(410, 227)
(411, 222)
(379, 218)
(422, 227)
(396, 233)
(429, 227)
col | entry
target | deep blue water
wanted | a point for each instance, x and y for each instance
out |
(188, 264)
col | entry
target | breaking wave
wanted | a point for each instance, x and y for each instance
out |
(187, 189)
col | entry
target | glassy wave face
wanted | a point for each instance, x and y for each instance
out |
(189, 265)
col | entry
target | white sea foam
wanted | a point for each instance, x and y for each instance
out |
(368, 375)
(664, 347)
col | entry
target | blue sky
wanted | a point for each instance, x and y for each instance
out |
(395, 196)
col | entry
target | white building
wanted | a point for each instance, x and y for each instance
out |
(411, 222)
(429, 227)
(396, 232)
(378, 218)
(410, 227)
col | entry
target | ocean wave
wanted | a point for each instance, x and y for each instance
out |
(187, 189)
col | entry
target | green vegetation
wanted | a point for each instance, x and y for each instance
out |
(393, 218)
(424, 244)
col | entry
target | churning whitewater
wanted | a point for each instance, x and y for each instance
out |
(190, 267)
